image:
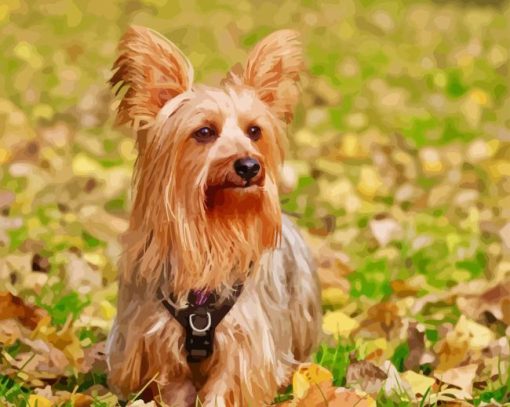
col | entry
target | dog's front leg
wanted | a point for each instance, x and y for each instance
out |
(221, 390)
(242, 372)
(178, 393)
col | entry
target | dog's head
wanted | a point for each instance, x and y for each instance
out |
(209, 158)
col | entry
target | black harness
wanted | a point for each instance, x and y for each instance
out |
(200, 318)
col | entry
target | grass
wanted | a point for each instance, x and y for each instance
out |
(399, 147)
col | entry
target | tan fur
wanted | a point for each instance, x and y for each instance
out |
(196, 225)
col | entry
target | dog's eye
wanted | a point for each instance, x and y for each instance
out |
(204, 134)
(254, 132)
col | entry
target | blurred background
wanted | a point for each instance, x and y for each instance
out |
(399, 168)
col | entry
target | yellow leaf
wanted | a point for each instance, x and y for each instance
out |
(308, 374)
(431, 161)
(339, 324)
(369, 182)
(35, 400)
(43, 111)
(479, 96)
(107, 310)
(418, 382)
(334, 296)
(478, 336)
(85, 166)
(306, 138)
(5, 155)
(97, 259)
(375, 345)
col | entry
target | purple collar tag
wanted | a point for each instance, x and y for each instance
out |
(201, 296)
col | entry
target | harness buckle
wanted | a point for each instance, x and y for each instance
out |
(207, 325)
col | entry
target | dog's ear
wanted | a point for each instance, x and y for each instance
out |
(153, 70)
(272, 70)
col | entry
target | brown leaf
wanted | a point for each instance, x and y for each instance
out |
(94, 358)
(460, 377)
(365, 376)
(6, 198)
(495, 300)
(10, 331)
(418, 355)
(12, 306)
(402, 288)
(52, 360)
(383, 319)
(40, 263)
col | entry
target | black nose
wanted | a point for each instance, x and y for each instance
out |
(247, 168)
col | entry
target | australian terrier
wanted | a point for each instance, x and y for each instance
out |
(218, 299)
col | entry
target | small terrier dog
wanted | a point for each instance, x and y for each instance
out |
(218, 299)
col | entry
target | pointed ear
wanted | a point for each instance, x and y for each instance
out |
(272, 70)
(153, 70)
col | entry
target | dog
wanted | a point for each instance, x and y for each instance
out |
(218, 297)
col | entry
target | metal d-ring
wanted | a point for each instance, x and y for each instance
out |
(192, 325)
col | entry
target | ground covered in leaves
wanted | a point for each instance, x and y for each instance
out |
(399, 175)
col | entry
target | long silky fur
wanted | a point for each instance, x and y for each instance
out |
(185, 233)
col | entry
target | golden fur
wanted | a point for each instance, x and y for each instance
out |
(196, 224)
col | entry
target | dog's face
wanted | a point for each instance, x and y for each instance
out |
(224, 149)
(209, 158)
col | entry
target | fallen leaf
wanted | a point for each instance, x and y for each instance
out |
(461, 377)
(334, 296)
(349, 398)
(338, 323)
(317, 395)
(370, 182)
(493, 300)
(35, 400)
(394, 385)
(365, 376)
(479, 336)
(418, 382)
(10, 332)
(467, 338)
(383, 320)
(385, 230)
(94, 358)
(307, 375)
(12, 306)
(81, 277)
(416, 342)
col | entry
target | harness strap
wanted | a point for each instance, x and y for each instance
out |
(200, 318)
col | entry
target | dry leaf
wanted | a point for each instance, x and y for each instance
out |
(382, 320)
(394, 385)
(339, 324)
(307, 375)
(10, 332)
(349, 398)
(460, 377)
(334, 296)
(494, 300)
(35, 400)
(365, 376)
(418, 382)
(385, 230)
(12, 306)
